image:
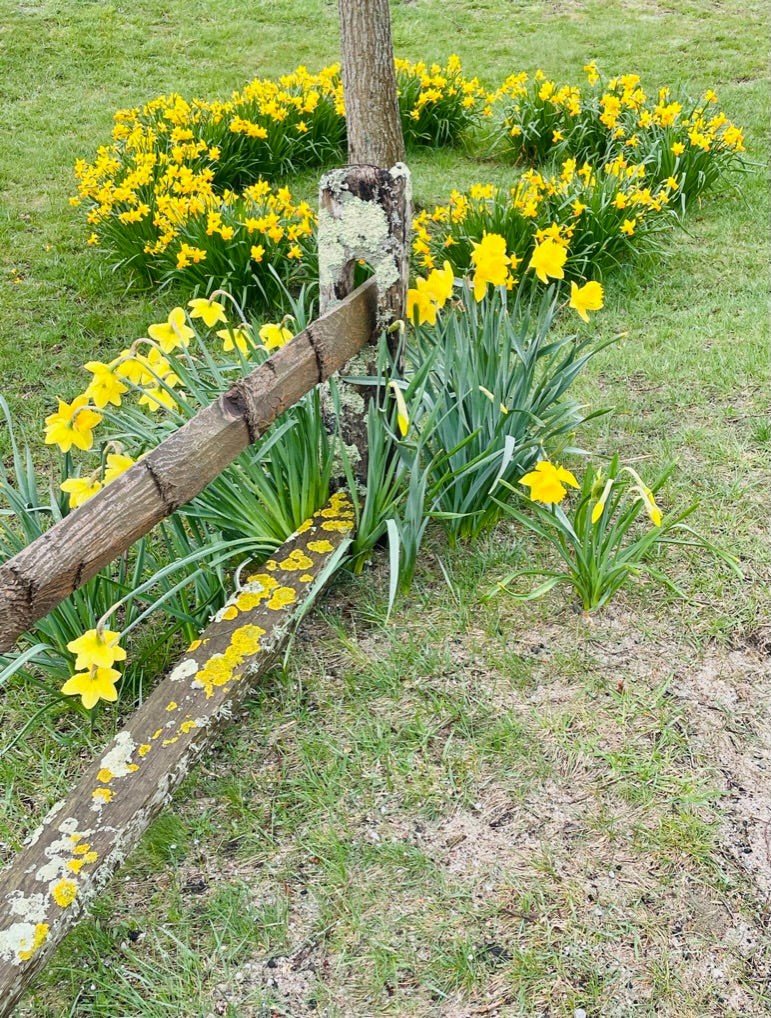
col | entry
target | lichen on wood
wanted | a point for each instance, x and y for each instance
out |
(74, 852)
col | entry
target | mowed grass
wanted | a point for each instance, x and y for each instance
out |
(472, 808)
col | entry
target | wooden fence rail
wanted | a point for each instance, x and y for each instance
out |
(75, 851)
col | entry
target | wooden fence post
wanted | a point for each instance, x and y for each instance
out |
(364, 216)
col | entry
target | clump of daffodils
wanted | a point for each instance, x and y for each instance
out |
(149, 372)
(600, 536)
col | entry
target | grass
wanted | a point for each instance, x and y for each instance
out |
(470, 809)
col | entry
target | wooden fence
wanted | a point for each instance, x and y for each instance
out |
(81, 842)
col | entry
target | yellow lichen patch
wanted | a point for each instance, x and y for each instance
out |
(321, 546)
(188, 726)
(340, 502)
(82, 849)
(246, 640)
(296, 559)
(132, 767)
(171, 741)
(271, 565)
(230, 612)
(329, 513)
(75, 865)
(172, 706)
(305, 525)
(41, 932)
(75, 838)
(194, 646)
(265, 581)
(105, 775)
(103, 794)
(216, 672)
(282, 597)
(250, 599)
(156, 733)
(343, 526)
(65, 892)
(306, 577)
(144, 749)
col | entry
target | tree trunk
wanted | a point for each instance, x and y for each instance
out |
(369, 84)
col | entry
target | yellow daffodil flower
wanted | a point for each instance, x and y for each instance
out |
(440, 283)
(95, 649)
(155, 398)
(92, 686)
(232, 338)
(115, 466)
(420, 299)
(402, 413)
(72, 424)
(646, 497)
(586, 298)
(599, 507)
(491, 264)
(173, 332)
(548, 260)
(275, 336)
(80, 489)
(105, 386)
(547, 482)
(211, 311)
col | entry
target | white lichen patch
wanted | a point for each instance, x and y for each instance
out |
(183, 670)
(30, 907)
(118, 759)
(45, 822)
(15, 941)
(356, 229)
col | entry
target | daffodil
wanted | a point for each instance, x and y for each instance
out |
(490, 262)
(235, 338)
(105, 386)
(275, 336)
(92, 686)
(548, 260)
(402, 413)
(172, 333)
(421, 300)
(115, 466)
(211, 311)
(157, 397)
(80, 489)
(72, 424)
(586, 298)
(440, 283)
(646, 496)
(97, 649)
(547, 482)
(599, 507)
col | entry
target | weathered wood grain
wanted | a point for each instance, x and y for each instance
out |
(365, 214)
(75, 549)
(83, 840)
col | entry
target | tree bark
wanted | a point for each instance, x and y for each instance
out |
(369, 84)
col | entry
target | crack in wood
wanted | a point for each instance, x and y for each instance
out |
(169, 504)
(318, 354)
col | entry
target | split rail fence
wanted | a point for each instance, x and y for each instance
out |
(69, 859)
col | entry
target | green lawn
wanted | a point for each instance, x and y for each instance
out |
(470, 809)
